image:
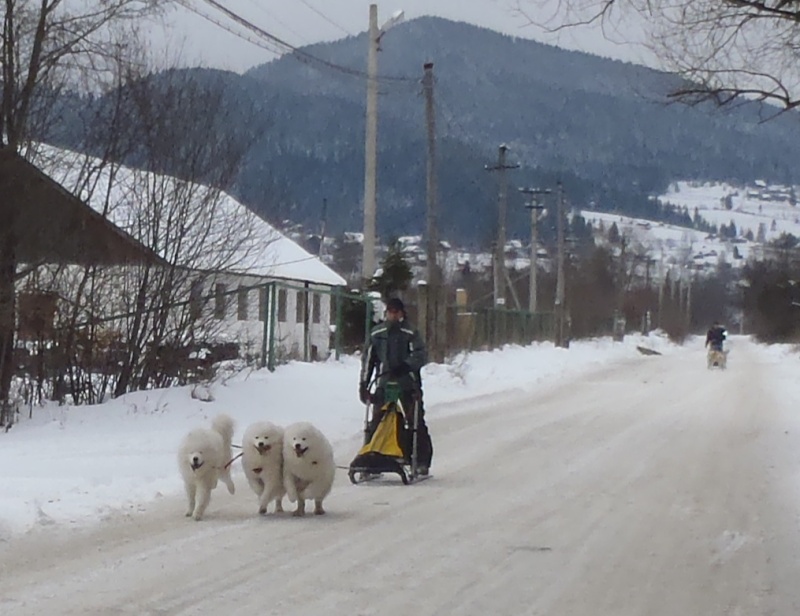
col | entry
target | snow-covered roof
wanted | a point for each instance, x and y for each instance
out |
(233, 237)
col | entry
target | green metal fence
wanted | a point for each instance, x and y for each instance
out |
(352, 317)
(480, 328)
(349, 314)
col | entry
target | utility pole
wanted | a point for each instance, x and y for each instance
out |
(432, 338)
(535, 207)
(374, 36)
(323, 222)
(502, 207)
(689, 301)
(662, 283)
(560, 283)
(371, 149)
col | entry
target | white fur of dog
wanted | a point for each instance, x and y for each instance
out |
(308, 466)
(202, 459)
(262, 461)
(720, 358)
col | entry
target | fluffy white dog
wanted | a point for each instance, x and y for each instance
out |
(308, 466)
(202, 458)
(262, 461)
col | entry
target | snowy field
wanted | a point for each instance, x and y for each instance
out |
(760, 209)
(73, 465)
(751, 206)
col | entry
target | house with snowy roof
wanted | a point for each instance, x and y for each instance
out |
(235, 256)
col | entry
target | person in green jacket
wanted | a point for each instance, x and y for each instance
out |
(396, 352)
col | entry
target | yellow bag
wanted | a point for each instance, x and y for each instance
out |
(385, 439)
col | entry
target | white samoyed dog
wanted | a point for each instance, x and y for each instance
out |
(262, 461)
(308, 466)
(202, 458)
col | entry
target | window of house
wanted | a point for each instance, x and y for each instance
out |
(316, 308)
(196, 299)
(282, 299)
(262, 303)
(241, 303)
(300, 314)
(220, 300)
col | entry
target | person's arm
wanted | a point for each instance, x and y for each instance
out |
(369, 360)
(417, 353)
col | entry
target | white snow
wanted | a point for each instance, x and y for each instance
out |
(238, 239)
(751, 206)
(72, 465)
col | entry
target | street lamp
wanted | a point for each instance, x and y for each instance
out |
(371, 139)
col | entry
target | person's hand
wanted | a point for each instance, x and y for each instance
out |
(363, 393)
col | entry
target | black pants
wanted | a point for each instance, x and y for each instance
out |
(407, 398)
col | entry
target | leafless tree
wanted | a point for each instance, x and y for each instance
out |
(145, 319)
(44, 46)
(726, 50)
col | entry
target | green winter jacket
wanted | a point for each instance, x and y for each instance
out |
(395, 352)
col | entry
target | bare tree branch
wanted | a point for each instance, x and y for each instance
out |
(727, 50)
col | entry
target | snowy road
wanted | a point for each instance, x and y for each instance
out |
(651, 488)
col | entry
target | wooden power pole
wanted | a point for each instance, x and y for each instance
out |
(371, 150)
(535, 207)
(432, 336)
(560, 312)
(500, 242)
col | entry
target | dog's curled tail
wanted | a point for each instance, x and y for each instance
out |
(223, 424)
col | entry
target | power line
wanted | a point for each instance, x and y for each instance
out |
(257, 4)
(298, 53)
(326, 18)
(275, 50)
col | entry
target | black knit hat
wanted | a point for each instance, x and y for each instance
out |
(395, 303)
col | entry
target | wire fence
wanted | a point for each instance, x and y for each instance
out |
(257, 325)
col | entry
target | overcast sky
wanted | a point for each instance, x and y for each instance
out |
(300, 22)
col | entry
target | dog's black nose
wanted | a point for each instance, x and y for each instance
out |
(195, 459)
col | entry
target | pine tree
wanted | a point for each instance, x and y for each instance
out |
(613, 233)
(728, 202)
(395, 274)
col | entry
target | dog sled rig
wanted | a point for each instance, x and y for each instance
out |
(393, 447)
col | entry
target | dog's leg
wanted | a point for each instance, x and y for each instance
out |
(257, 484)
(263, 501)
(203, 498)
(228, 481)
(290, 487)
(273, 494)
(318, 510)
(191, 490)
(301, 507)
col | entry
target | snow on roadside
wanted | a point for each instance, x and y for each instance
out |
(72, 465)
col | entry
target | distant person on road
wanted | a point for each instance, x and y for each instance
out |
(715, 336)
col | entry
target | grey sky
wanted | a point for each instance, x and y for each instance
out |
(301, 22)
